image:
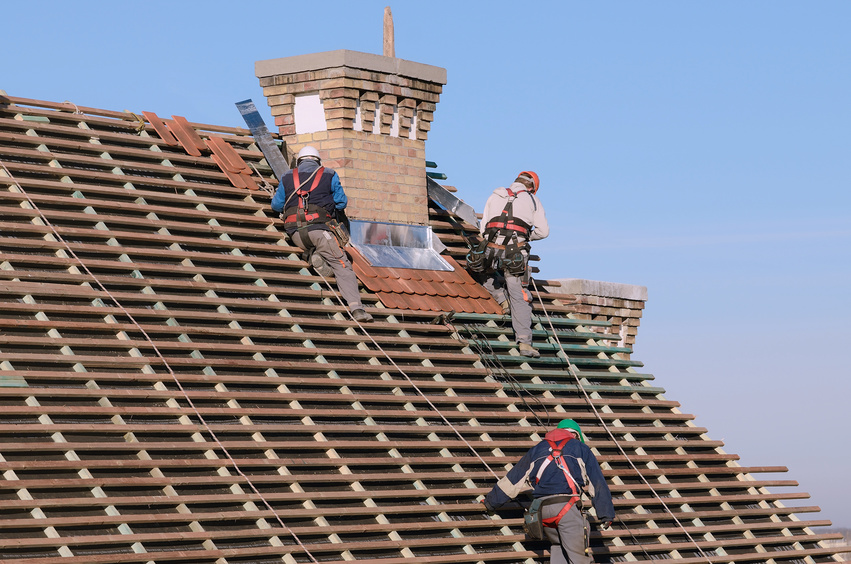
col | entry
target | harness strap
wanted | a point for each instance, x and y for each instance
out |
(554, 521)
(297, 184)
(555, 455)
(302, 219)
(310, 214)
(484, 256)
(517, 225)
(309, 217)
(506, 221)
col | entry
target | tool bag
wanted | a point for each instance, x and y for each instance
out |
(339, 231)
(533, 520)
(514, 261)
(480, 258)
(483, 257)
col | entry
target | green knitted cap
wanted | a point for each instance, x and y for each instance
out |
(573, 426)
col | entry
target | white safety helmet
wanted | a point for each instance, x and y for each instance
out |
(308, 152)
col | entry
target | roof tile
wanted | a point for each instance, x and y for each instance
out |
(425, 290)
(323, 423)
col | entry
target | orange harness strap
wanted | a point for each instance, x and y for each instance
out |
(555, 456)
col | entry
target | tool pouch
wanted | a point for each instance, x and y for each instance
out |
(514, 262)
(533, 519)
(533, 523)
(339, 231)
(477, 257)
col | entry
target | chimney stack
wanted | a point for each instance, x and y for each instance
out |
(369, 116)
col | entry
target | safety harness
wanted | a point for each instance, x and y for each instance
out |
(575, 489)
(506, 220)
(510, 228)
(306, 214)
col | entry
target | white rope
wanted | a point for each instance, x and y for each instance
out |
(165, 363)
(408, 378)
(574, 372)
(267, 187)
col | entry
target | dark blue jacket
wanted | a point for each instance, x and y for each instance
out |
(553, 480)
(328, 194)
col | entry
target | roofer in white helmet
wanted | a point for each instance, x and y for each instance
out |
(309, 199)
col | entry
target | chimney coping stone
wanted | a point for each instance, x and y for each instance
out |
(353, 59)
(605, 289)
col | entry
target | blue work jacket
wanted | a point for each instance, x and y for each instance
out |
(553, 480)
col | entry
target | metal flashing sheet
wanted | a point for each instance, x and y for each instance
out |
(263, 138)
(451, 203)
(395, 245)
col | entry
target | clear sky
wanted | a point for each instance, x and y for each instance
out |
(701, 149)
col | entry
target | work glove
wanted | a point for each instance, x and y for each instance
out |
(605, 525)
(488, 507)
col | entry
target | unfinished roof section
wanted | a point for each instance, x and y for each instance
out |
(427, 290)
(179, 388)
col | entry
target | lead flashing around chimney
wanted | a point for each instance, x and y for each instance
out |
(352, 59)
(603, 289)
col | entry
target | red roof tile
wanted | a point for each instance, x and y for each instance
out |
(425, 290)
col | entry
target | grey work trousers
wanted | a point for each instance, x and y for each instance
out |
(569, 540)
(328, 248)
(504, 285)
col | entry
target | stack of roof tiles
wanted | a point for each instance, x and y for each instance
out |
(177, 386)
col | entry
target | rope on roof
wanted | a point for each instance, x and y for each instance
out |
(164, 361)
(575, 373)
(498, 368)
(408, 378)
(492, 361)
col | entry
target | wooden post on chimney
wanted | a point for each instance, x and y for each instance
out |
(389, 40)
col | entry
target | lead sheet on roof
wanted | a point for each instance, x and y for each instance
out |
(396, 245)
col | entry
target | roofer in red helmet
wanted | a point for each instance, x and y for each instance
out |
(512, 217)
(559, 470)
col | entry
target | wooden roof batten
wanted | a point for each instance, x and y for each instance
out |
(218, 386)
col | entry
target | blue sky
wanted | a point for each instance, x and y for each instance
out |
(698, 148)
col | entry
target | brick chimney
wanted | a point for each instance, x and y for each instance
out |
(369, 116)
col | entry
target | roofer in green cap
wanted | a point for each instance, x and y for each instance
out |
(558, 470)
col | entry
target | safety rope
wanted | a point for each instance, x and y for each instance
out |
(575, 373)
(76, 109)
(392, 362)
(408, 378)
(235, 465)
(266, 186)
(491, 359)
(165, 363)
(396, 366)
(515, 387)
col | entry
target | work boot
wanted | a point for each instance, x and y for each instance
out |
(528, 350)
(506, 307)
(361, 316)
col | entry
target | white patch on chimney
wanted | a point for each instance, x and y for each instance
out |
(394, 125)
(376, 124)
(309, 114)
(358, 125)
(412, 133)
